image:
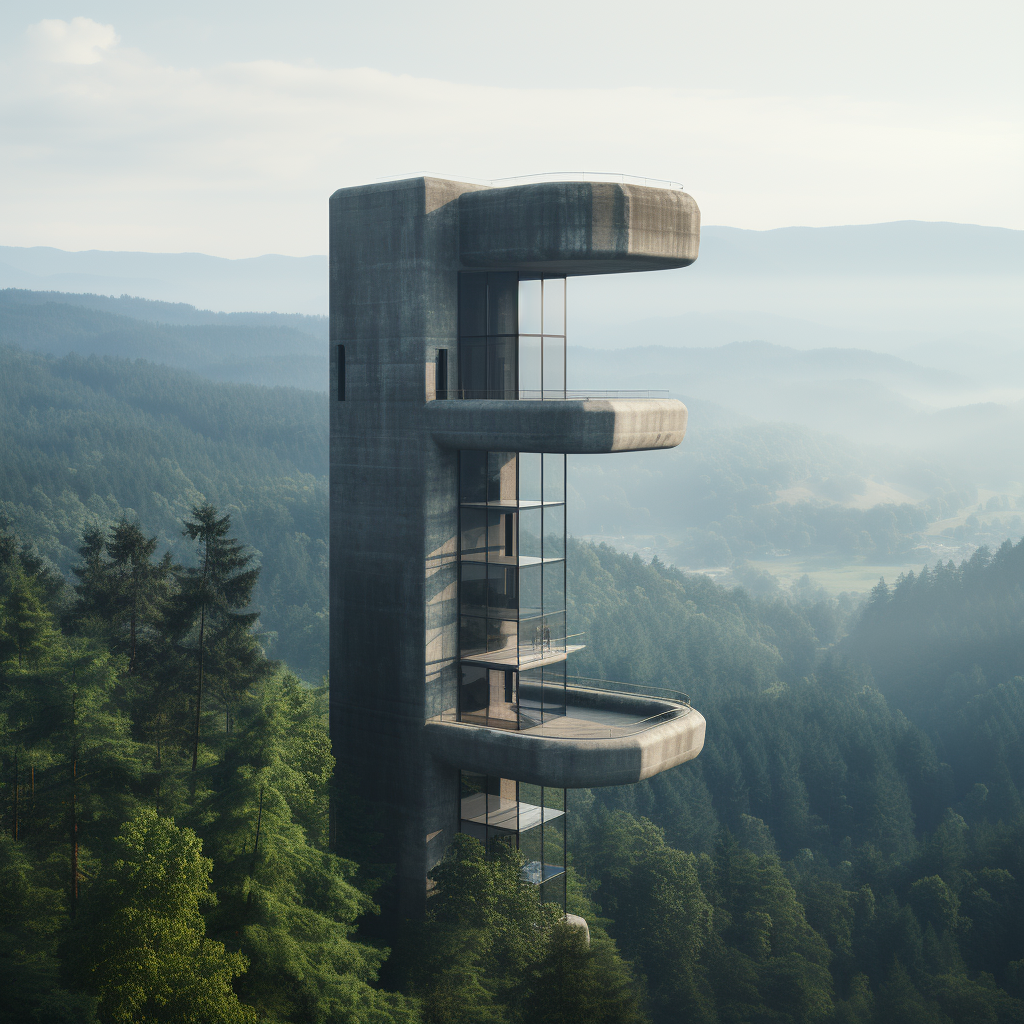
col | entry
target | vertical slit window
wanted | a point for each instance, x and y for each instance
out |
(341, 373)
(441, 374)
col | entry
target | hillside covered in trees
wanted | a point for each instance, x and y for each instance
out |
(849, 847)
(84, 441)
(821, 861)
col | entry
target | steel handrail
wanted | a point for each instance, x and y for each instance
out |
(609, 684)
(679, 698)
(545, 395)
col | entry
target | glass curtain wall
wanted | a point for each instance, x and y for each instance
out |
(511, 336)
(529, 818)
(512, 630)
(511, 508)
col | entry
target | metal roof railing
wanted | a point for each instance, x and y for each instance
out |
(547, 395)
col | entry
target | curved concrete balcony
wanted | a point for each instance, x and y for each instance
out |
(578, 227)
(571, 426)
(606, 738)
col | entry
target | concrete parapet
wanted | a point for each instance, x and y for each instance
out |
(572, 426)
(578, 227)
(554, 757)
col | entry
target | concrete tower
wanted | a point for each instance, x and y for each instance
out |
(453, 707)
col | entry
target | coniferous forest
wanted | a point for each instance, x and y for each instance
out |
(849, 846)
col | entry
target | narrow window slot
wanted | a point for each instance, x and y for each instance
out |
(341, 373)
(509, 535)
(441, 374)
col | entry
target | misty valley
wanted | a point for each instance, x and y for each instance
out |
(831, 566)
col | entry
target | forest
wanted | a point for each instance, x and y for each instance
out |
(849, 846)
(165, 791)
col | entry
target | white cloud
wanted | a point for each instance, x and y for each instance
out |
(79, 41)
(239, 159)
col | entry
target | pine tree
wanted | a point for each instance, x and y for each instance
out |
(208, 614)
(135, 582)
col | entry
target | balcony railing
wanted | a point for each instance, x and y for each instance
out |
(595, 709)
(547, 395)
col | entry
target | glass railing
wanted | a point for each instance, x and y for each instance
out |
(546, 395)
(532, 179)
(610, 176)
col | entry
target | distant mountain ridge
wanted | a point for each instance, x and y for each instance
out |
(266, 349)
(179, 313)
(287, 284)
(801, 273)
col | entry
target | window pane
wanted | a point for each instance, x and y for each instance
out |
(501, 476)
(529, 365)
(473, 367)
(529, 476)
(529, 846)
(554, 305)
(501, 591)
(502, 635)
(554, 364)
(503, 303)
(553, 630)
(529, 306)
(529, 532)
(501, 536)
(554, 587)
(554, 837)
(554, 478)
(553, 891)
(529, 586)
(472, 636)
(474, 533)
(501, 367)
(472, 476)
(531, 689)
(554, 689)
(473, 690)
(554, 531)
(472, 304)
(474, 588)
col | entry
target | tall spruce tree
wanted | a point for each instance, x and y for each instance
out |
(208, 613)
(136, 581)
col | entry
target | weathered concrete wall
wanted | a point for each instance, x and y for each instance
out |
(577, 227)
(584, 427)
(572, 762)
(394, 625)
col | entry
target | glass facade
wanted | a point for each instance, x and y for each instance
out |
(511, 336)
(529, 818)
(512, 624)
(512, 632)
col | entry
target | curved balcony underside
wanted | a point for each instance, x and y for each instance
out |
(604, 739)
(571, 427)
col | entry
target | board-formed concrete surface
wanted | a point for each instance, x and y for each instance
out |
(578, 227)
(575, 751)
(573, 426)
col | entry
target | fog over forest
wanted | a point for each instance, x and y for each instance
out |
(856, 394)
(847, 849)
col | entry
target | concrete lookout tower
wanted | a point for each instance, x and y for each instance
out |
(452, 703)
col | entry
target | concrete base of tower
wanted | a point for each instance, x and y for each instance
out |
(604, 739)
(575, 921)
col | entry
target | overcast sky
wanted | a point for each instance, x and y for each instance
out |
(223, 127)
